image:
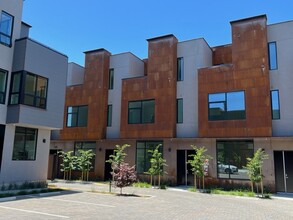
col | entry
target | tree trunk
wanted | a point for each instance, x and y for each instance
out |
(203, 182)
(252, 186)
(151, 179)
(159, 181)
(195, 186)
(261, 183)
(69, 174)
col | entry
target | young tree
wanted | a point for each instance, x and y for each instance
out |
(254, 167)
(197, 163)
(157, 163)
(123, 175)
(84, 162)
(68, 164)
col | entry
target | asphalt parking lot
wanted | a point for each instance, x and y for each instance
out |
(81, 202)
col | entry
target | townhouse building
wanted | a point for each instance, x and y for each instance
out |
(233, 99)
(32, 94)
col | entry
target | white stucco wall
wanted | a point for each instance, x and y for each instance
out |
(125, 65)
(75, 75)
(196, 54)
(282, 78)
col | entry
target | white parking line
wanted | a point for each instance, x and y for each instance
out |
(34, 212)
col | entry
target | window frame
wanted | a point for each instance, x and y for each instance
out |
(279, 108)
(180, 69)
(25, 140)
(77, 116)
(141, 121)
(275, 55)
(3, 93)
(179, 103)
(9, 36)
(111, 79)
(109, 115)
(225, 105)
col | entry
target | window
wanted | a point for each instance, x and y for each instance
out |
(180, 69)
(6, 26)
(111, 78)
(179, 110)
(25, 144)
(273, 62)
(227, 106)
(275, 104)
(141, 112)
(143, 156)
(77, 116)
(3, 80)
(33, 90)
(109, 116)
(231, 157)
(88, 145)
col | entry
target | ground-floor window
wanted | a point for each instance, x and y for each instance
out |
(25, 144)
(87, 145)
(231, 157)
(143, 156)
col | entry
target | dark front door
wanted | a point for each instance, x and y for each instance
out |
(108, 168)
(184, 173)
(2, 133)
(54, 165)
(284, 171)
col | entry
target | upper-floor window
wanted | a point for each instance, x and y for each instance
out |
(25, 144)
(6, 26)
(28, 89)
(77, 116)
(109, 116)
(111, 78)
(179, 110)
(3, 80)
(275, 104)
(180, 69)
(226, 106)
(141, 112)
(273, 62)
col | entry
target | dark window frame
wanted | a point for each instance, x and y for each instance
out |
(178, 117)
(180, 69)
(3, 93)
(77, 116)
(9, 36)
(109, 115)
(141, 111)
(111, 79)
(275, 55)
(279, 108)
(225, 104)
(24, 145)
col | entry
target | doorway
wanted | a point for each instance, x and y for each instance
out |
(184, 173)
(53, 165)
(284, 171)
(108, 168)
(2, 134)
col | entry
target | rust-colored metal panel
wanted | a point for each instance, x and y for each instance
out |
(248, 72)
(222, 54)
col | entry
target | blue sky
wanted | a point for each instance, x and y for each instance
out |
(75, 26)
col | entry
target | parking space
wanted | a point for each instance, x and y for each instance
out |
(144, 204)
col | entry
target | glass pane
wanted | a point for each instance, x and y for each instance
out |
(6, 24)
(275, 104)
(180, 69)
(111, 78)
(148, 111)
(30, 84)
(235, 105)
(71, 120)
(109, 116)
(29, 100)
(42, 87)
(82, 116)
(16, 82)
(134, 116)
(217, 97)
(30, 145)
(217, 111)
(179, 110)
(2, 81)
(14, 99)
(273, 56)
(18, 148)
(140, 160)
(136, 104)
(40, 102)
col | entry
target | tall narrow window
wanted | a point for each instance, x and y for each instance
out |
(3, 80)
(111, 78)
(275, 104)
(180, 69)
(273, 62)
(25, 144)
(109, 116)
(6, 26)
(179, 110)
(77, 116)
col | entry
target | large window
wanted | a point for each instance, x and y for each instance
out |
(180, 69)
(109, 116)
(275, 104)
(28, 89)
(25, 144)
(111, 78)
(143, 156)
(6, 26)
(273, 62)
(231, 157)
(87, 145)
(141, 112)
(77, 116)
(179, 110)
(3, 80)
(227, 106)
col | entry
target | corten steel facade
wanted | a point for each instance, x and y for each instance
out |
(233, 99)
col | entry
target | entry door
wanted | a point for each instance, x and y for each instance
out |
(184, 173)
(53, 165)
(2, 134)
(284, 171)
(108, 168)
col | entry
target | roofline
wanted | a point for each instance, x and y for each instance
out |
(161, 37)
(96, 50)
(250, 18)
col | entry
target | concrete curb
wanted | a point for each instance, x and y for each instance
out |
(6, 199)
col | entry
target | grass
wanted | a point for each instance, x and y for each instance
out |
(233, 192)
(142, 185)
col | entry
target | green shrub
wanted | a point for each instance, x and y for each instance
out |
(142, 185)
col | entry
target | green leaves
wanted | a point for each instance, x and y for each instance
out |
(157, 162)
(119, 155)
